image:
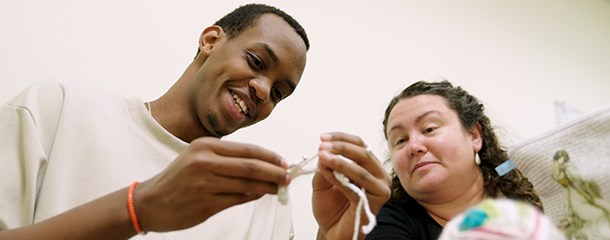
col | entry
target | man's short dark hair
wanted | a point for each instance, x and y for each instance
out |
(245, 16)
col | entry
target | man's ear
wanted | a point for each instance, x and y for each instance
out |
(209, 38)
(477, 137)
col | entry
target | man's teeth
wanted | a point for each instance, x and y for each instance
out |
(240, 104)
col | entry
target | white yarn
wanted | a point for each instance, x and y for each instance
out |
(364, 202)
(298, 169)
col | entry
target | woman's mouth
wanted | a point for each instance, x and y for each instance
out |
(420, 165)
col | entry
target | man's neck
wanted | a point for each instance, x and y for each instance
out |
(174, 110)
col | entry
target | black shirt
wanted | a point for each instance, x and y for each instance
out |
(405, 221)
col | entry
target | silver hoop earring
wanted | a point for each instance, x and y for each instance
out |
(477, 159)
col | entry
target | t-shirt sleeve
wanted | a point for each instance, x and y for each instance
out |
(22, 163)
(27, 128)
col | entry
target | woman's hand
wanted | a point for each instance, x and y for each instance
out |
(334, 205)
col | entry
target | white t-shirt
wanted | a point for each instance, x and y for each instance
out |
(65, 143)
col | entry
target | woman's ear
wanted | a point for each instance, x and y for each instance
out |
(209, 39)
(477, 137)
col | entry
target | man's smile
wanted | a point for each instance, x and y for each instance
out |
(240, 104)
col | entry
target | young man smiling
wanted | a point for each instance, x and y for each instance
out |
(70, 150)
(234, 81)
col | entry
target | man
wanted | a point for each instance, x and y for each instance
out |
(67, 147)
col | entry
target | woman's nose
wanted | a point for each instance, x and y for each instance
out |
(416, 146)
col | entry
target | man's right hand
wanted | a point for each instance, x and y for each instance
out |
(209, 176)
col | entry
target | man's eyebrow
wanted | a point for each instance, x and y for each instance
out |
(269, 51)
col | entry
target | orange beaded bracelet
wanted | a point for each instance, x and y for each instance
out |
(132, 209)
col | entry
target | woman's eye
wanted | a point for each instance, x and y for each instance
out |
(277, 94)
(400, 141)
(428, 130)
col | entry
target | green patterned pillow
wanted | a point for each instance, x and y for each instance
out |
(570, 169)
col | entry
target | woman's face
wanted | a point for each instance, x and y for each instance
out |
(432, 154)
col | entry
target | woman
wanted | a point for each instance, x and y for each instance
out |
(444, 154)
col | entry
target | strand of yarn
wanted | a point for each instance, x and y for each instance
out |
(363, 202)
(295, 170)
(298, 169)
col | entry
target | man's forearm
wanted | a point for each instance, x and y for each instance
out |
(103, 218)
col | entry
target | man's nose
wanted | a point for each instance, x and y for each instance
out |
(262, 88)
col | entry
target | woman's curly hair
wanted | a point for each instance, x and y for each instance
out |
(513, 185)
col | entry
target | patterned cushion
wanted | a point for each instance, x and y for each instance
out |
(570, 169)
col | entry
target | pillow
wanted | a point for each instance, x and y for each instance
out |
(569, 167)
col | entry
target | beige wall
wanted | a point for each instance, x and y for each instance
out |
(519, 57)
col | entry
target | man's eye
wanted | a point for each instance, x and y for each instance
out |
(277, 94)
(255, 61)
(428, 130)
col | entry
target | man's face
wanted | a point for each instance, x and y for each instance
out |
(244, 78)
